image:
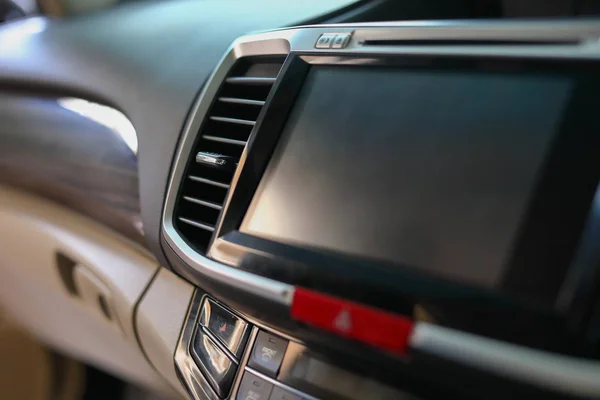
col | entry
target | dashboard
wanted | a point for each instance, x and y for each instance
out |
(332, 210)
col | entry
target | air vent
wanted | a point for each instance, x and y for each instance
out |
(219, 145)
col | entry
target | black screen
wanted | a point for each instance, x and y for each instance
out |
(426, 169)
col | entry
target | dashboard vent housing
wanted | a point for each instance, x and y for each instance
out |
(218, 147)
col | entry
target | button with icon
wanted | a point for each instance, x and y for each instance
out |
(324, 41)
(228, 328)
(267, 353)
(379, 328)
(218, 369)
(253, 388)
(340, 41)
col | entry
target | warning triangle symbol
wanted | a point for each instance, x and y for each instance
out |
(343, 321)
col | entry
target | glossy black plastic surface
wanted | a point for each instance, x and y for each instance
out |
(426, 167)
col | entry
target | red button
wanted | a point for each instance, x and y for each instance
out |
(367, 324)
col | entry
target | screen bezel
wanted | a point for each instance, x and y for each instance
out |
(397, 289)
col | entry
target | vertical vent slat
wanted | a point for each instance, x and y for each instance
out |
(225, 132)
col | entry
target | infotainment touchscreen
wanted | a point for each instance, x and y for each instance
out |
(431, 170)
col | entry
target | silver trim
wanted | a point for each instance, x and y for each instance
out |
(203, 202)
(344, 43)
(249, 80)
(212, 159)
(217, 343)
(568, 375)
(236, 100)
(208, 181)
(233, 121)
(224, 140)
(197, 224)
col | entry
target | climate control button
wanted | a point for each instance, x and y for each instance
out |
(267, 353)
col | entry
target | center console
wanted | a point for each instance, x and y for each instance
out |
(393, 211)
(221, 346)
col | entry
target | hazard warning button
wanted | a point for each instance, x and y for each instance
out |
(373, 326)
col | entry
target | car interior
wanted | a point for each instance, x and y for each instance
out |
(279, 200)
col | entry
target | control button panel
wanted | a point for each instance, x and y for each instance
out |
(228, 328)
(254, 388)
(272, 367)
(340, 41)
(216, 366)
(333, 41)
(267, 353)
(325, 41)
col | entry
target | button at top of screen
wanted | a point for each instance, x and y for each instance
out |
(332, 41)
(340, 41)
(325, 41)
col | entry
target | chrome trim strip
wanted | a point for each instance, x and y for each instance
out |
(249, 80)
(233, 121)
(203, 203)
(197, 224)
(208, 181)
(237, 100)
(219, 344)
(568, 375)
(224, 140)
